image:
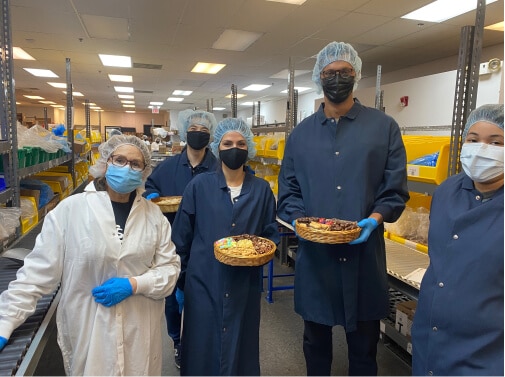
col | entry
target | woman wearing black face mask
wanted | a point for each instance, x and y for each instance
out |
(221, 302)
(170, 178)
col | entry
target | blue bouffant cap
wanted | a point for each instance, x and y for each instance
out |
(202, 118)
(491, 113)
(331, 53)
(237, 125)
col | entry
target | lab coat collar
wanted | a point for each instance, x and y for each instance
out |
(246, 185)
(351, 114)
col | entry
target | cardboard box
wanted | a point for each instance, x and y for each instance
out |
(33, 193)
(49, 206)
(405, 311)
(79, 146)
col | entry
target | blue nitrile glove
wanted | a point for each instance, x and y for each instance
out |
(113, 291)
(367, 226)
(3, 342)
(179, 296)
(293, 223)
(152, 195)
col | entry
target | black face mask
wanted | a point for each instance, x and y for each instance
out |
(197, 139)
(234, 158)
(337, 89)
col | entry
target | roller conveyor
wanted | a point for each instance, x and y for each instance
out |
(21, 354)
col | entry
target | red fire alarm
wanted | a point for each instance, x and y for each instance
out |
(404, 101)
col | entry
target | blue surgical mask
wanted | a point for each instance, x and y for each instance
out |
(122, 179)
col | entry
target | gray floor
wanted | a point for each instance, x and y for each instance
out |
(281, 343)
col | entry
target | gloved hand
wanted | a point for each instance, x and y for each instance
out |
(179, 296)
(293, 223)
(152, 195)
(113, 291)
(367, 226)
(3, 342)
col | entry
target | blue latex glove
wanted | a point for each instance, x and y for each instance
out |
(293, 223)
(3, 342)
(179, 296)
(113, 291)
(367, 226)
(152, 195)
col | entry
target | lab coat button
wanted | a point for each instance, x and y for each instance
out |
(339, 187)
(430, 373)
(435, 328)
(233, 224)
(441, 285)
(224, 329)
(455, 237)
(477, 197)
(344, 259)
(226, 295)
(337, 153)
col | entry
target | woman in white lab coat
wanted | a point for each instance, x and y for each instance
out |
(111, 251)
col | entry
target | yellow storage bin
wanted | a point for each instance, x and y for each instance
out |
(403, 241)
(29, 222)
(261, 142)
(275, 148)
(418, 146)
(65, 178)
(273, 181)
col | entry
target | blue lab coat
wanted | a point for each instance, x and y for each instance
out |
(222, 303)
(343, 169)
(170, 177)
(458, 324)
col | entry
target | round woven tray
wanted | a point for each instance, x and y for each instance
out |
(223, 256)
(165, 207)
(326, 236)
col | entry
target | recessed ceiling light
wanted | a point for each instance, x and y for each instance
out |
(175, 99)
(219, 108)
(121, 78)
(239, 95)
(60, 85)
(182, 92)
(127, 101)
(75, 94)
(299, 88)
(58, 106)
(256, 87)
(41, 72)
(95, 108)
(124, 105)
(294, 2)
(235, 40)
(126, 96)
(441, 10)
(33, 97)
(210, 68)
(89, 103)
(156, 103)
(249, 103)
(21, 54)
(123, 89)
(116, 60)
(130, 111)
(48, 102)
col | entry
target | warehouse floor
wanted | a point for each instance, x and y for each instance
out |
(281, 343)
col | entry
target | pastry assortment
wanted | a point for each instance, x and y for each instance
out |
(330, 231)
(244, 250)
(168, 203)
(327, 224)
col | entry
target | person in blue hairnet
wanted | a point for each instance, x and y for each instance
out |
(222, 302)
(345, 161)
(110, 251)
(170, 177)
(458, 324)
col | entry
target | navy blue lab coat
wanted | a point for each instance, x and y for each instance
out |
(171, 176)
(343, 169)
(458, 324)
(222, 303)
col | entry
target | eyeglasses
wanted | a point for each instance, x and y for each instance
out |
(343, 73)
(135, 165)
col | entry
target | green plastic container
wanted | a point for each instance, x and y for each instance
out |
(21, 158)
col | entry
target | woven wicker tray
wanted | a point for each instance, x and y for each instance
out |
(327, 236)
(225, 256)
(168, 204)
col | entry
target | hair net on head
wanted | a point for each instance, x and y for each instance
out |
(107, 149)
(331, 53)
(202, 118)
(492, 113)
(237, 125)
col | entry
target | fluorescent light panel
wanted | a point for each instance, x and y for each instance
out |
(128, 105)
(33, 97)
(175, 99)
(41, 72)
(58, 106)
(123, 89)
(126, 96)
(127, 101)
(442, 10)
(210, 68)
(116, 60)
(498, 27)
(299, 88)
(235, 40)
(219, 108)
(60, 85)
(130, 111)
(48, 102)
(239, 95)
(156, 103)
(248, 103)
(21, 54)
(182, 92)
(121, 78)
(256, 87)
(294, 2)
(75, 94)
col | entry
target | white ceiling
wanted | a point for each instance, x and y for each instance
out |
(175, 34)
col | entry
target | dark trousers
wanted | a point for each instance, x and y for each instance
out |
(173, 318)
(361, 347)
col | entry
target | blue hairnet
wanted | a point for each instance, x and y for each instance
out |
(331, 53)
(106, 149)
(202, 118)
(237, 125)
(492, 113)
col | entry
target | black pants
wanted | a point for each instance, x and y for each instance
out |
(361, 347)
